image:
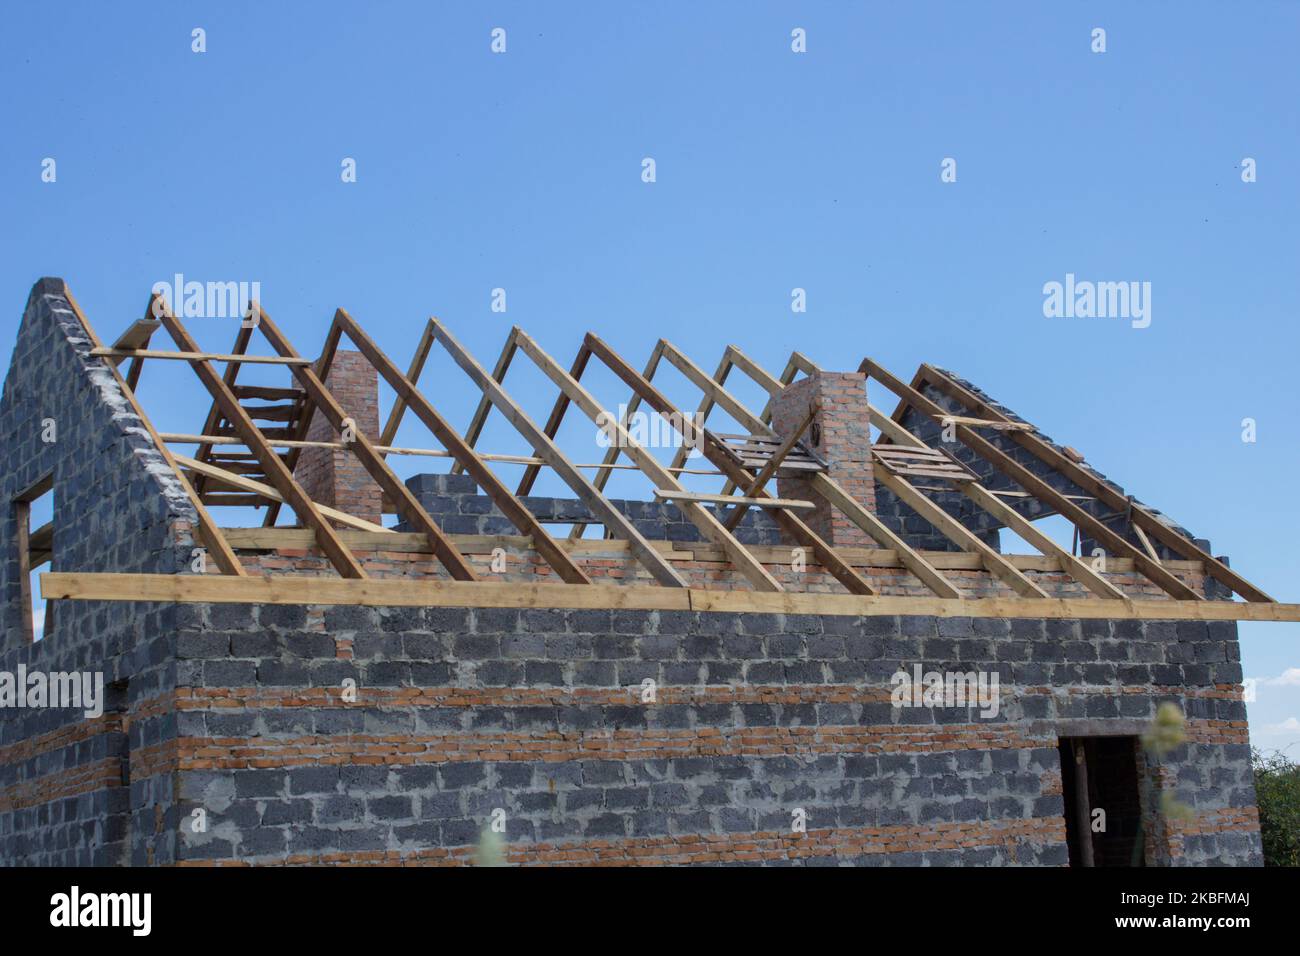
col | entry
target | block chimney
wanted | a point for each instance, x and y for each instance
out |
(335, 476)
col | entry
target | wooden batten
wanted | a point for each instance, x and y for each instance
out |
(269, 589)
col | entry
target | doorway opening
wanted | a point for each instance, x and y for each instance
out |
(1103, 810)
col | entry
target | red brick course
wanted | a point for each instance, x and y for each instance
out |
(336, 477)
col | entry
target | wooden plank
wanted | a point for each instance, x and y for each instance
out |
(267, 393)
(273, 413)
(310, 590)
(985, 423)
(306, 589)
(240, 483)
(404, 500)
(214, 417)
(915, 472)
(768, 470)
(184, 439)
(195, 355)
(712, 450)
(280, 476)
(959, 534)
(667, 494)
(510, 506)
(708, 525)
(1041, 489)
(267, 434)
(893, 451)
(209, 533)
(137, 335)
(1146, 542)
(217, 499)
(545, 448)
(1089, 482)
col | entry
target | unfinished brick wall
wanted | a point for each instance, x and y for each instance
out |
(841, 435)
(335, 476)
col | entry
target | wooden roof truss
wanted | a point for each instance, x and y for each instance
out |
(272, 436)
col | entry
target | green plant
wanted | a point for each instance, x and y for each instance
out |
(1277, 790)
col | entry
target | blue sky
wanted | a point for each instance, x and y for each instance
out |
(775, 170)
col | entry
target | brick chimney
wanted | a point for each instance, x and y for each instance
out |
(335, 476)
(840, 434)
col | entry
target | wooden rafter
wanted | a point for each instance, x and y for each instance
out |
(1009, 517)
(703, 410)
(209, 533)
(958, 533)
(697, 437)
(480, 416)
(1089, 482)
(556, 417)
(734, 357)
(281, 478)
(236, 475)
(1037, 486)
(630, 409)
(510, 506)
(408, 506)
(824, 485)
(546, 449)
(413, 372)
(708, 525)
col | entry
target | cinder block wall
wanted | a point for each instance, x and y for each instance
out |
(539, 714)
(458, 506)
(68, 795)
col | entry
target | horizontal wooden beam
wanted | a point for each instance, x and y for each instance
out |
(198, 356)
(240, 483)
(178, 438)
(667, 494)
(267, 589)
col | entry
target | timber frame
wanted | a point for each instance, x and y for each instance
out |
(261, 474)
